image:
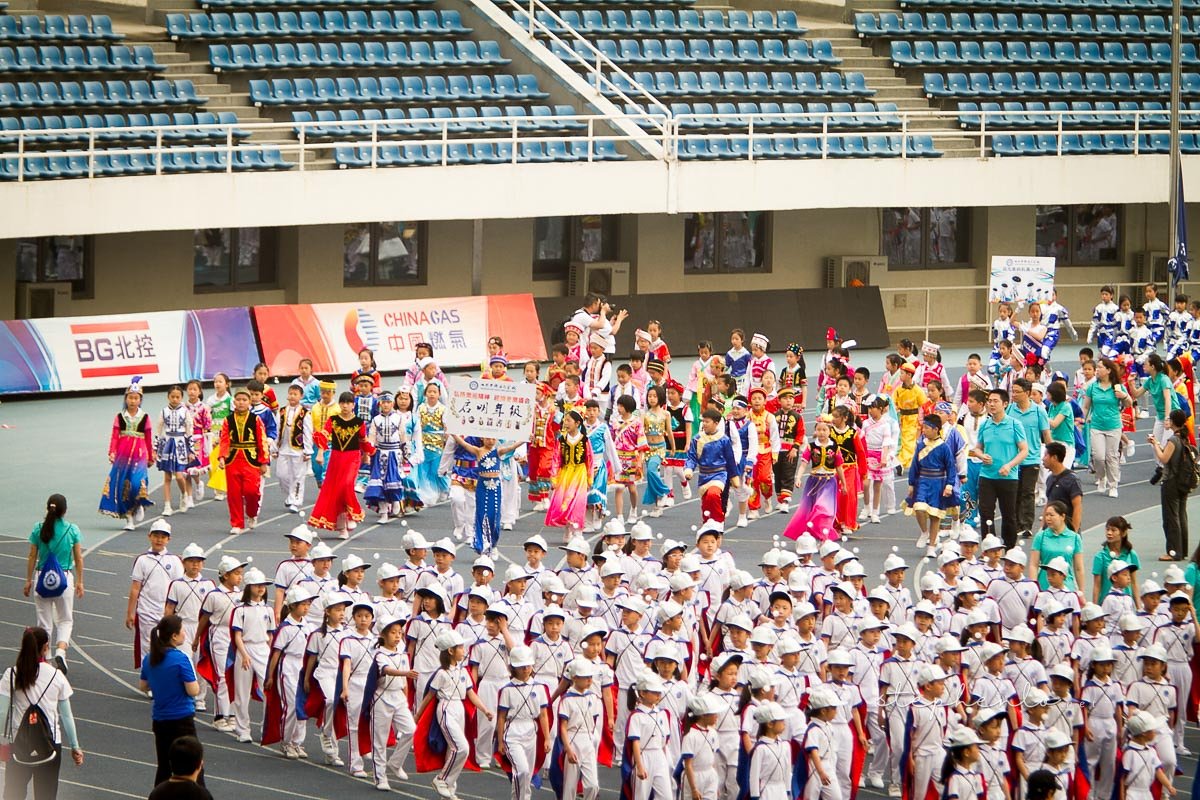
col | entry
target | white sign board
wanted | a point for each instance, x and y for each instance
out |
(492, 409)
(1021, 279)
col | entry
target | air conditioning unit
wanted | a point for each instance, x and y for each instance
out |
(844, 271)
(38, 300)
(608, 278)
(1150, 266)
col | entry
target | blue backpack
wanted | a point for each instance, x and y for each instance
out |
(52, 580)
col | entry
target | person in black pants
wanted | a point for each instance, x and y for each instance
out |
(167, 671)
(1001, 446)
(1173, 487)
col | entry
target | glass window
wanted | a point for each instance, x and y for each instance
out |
(557, 241)
(383, 254)
(1083, 235)
(224, 259)
(57, 258)
(725, 242)
(927, 238)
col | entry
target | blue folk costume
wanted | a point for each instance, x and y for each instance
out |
(1104, 326)
(487, 501)
(174, 450)
(390, 478)
(604, 454)
(934, 467)
(432, 486)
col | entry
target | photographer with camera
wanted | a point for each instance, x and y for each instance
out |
(598, 316)
(1176, 481)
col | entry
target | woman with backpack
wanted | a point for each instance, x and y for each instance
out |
(1178, 460)
(34, 741)
(56, 553)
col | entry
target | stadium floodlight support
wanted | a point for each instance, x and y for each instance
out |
(1176, 98)
(596, 63)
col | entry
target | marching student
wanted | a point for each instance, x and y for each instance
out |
(185, 597)
(281, 723)
(213, 638)
(770, 775)
(356, 652)
(699, 772)
(522, 723)
(150, 578)
(322, 667)
(251, 627)
(387, 707)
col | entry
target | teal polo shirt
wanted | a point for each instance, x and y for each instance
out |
(1000, 440)
(1034, 421)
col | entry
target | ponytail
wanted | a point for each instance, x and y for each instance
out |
(56, 506)
(161, 636)
(29, 657)
(341, 578)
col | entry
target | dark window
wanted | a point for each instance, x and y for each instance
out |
(725, 242)
(927, 238)
(51, 259)
(1085, 236)
(225, 259)
(557, 241)
(384, 254)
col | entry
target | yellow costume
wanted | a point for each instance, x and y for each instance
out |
(908, 400)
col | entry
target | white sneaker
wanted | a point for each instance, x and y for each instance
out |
(742, 522)
(893, 510)
(383, 786)
(633, 517)
(198, 492)
(400, 774)
(931, 552)
(244, 738)
(1183, 751)
(251, 522)
(235, 531)
(1130, 449)
(139, 514)
(506, 526)
(218, 495)
(1112, 492)
(397, 509)
(875, 781)
(893, 790)
(753, 514)
(128, 526)
(201, 705)
(300, 751)
(167, 510)
(289, 752)
(863, 516)
(875, 521)
(784, 508)
(186, 503)
(384, 518)
(687, 493)
(441, 788)
(334, 760)
(359, 773)
(923, 540)
(343, 534)
(657, 512)
(1143, 414)
(458, 534)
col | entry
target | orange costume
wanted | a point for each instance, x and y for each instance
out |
(762, 474)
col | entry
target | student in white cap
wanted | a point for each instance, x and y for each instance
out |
(849, 727)
(450, 688)
(152, 573)
(388, 709)
(1178, 638)
(1142, 766)
(578, 570)
(578, 732)
(1104, 699)
(487, 660)
(699, 767)
(520, 609)
(1119, 599)
(623, 649)
(640, 558)
(612, 572)
(647, 742)
(894, 570)
(284, 672)
(1028, 742)
(414, 572)
(897, 691)
(185, 597)
(389, 604)
(1014, 594)
(993, 752)
(356, 654)
(321, 668)
(213, 637)
(352, 576)
(551, 650)
(770, 775)
(423, 628)
(521, 719)
(925, 728)
(960, 775)
(990, 687)
(1024, 669)
(295, 568)
(1155, 694)
(1092, 623)
(535, 549)
(868, 655)
(323, 579)
(820, 746)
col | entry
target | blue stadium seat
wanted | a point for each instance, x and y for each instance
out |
(940, 52)
(866, 24)
(902, 54)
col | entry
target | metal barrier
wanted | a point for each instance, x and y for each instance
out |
(753, 133)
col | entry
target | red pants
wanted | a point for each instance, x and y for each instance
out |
(711, 505)
(762, 480)
(541, 472)
(243, 491)
(847, 505)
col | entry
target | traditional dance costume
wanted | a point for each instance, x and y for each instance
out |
(908, 401)
(629, 437)
(601, 441)
(201, 425)
(850, 448)
(657, 427)
(568, 500)
(129, 448)
(933, 470)
(244, 450)
(337, 504)
(318, 415)
(391, 480)
(432, 486)
(219, 409)
(790, 425)
(174, 451)
(294, 448)
(817, 512)
(762, 471)
(542, 451)
(487, 501)
(459, 463)
(711, 458)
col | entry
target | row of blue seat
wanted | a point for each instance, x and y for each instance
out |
(984, 23)
(353, 55)
(1017, 114)
(98, 94)
(799, 115)
(703, 51)
(74, 27)
(284, 24)
(75, 58)
(231, 4)
(345, 122)
(659, 22)
(377, 91)
(777, 84)
(984, 84)
(1111, 54)
(739, 147)
(143, 163)
(500, 152)
(1048, 144)
(64, 128)
(1115, 5)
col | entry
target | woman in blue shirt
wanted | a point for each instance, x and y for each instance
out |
(167, 673)
(55, 536)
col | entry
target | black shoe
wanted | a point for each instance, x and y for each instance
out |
(61, 664)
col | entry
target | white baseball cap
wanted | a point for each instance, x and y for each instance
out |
(822, 696)
(1058, 564)
(447, 639)
(806, 545)
(609, 569)
(1016, 555)
(1154, 651)
(387, 571)
(632, 603)
(667, 610)
(576, 545)
(839, 658)
(160, 526)
(963, 737)
(516, 572)
(537, 540)
(1019, 633)
(1055, 739)
(769, 712)
(445, 545)
(640, 532)
(1092, 611)
(740, 579)
(787, 644)
(551, 611)
(520, 656)
(894, 561)
(991, 542)
(299, 594)
(580, 668)
(300, 532)
(229, 564)
(484, 562)
(649, 682)
(1133, 622)
(681, 580)
(254, 577)
(193, 550)
(1142, 722)
(1116, 565)
(929, 673)
(320, 550)
(353, 562)
(413, 540)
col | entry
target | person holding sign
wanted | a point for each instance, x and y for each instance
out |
(487, 489)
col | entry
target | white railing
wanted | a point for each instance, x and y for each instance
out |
(599, 66)
(308, 145)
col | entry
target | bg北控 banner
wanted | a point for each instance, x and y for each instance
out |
(458, 328)
(105, 352)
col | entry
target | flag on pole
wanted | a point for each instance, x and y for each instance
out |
(1178, 263)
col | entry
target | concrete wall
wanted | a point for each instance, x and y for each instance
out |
(153, 270)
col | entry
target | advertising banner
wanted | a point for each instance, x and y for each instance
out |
(495, 409)
(332, 334)
(1021, 279)
(105, 352)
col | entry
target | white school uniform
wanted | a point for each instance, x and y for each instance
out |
(583, 715)
(1102, 699)
(389, 712)
(1178, 640)
(700, 746)
(325, 647)
(523, 703)
(218, 605)
(652, 729)
(188, 596)
(489, 659)
(819, 739)
(154, 573)
(452, 686)
(256, 623)
(291, 639)
(1141, 765)
(420, 633)
(358, 651)
(771, 769)
(1160, 698)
